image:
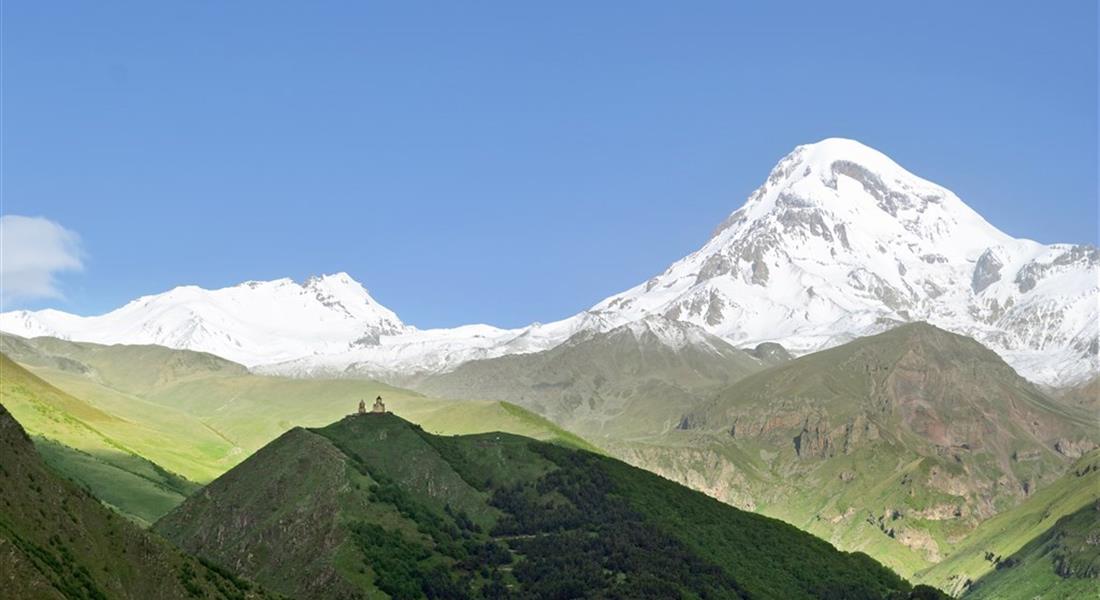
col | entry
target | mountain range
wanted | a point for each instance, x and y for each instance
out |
(905, 445)
(372, 502)
(838, 243)
(853, 352)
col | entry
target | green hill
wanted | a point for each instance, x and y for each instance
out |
(1063, 563)
(91, 447)
(131, 369)
(57, 541)
(100, 379)
(143, 426)
(1003, 536)
(373, 504)
(898, 445)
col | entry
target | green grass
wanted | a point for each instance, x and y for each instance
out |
(376, 504)
(1061, 564)
(135, 416)
(164, 434)
(131, 485)
(251, 410)
(908, 440)
(58, 541)
(768, 557)
(71, 435)
(1008, 532)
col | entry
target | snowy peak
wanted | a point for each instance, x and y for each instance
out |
(840, 241)
(253, 322)
(327, 298)
(857, 188)
(343, 294)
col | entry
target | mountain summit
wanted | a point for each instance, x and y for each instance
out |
(254, 322)
(839, 242)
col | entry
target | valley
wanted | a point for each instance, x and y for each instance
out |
(918, 447)
(898, 444)
(856, 388)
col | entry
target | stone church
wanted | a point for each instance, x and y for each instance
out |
(378, 408)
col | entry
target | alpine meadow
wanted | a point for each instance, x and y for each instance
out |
(873, 374)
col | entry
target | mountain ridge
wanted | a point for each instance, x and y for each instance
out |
(898, 444)
(406, 512)
(636, 379)
(839, 242)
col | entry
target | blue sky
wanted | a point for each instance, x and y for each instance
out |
(509, 162)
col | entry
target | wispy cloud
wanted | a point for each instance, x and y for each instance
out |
(33, 250)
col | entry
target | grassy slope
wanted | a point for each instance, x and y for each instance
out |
(71, 436)
(1061, 564)
(127, 490)
(1008, 532)
(286, 514)
(132, 369)
(251, 410)
(764, 555)
(130, 416)
(379, 505)
(166, 435)
(282, 508)
(57, 541)
(904, 429)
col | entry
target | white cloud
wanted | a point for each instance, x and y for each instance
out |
(33, 250)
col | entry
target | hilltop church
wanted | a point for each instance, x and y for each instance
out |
(378, 408)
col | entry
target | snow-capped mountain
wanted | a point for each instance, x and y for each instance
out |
(252, 323)
(839, 242)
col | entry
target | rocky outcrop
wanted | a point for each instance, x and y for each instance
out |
(770, 353)
(987, 271)
(1074, 448)
(814, 441)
